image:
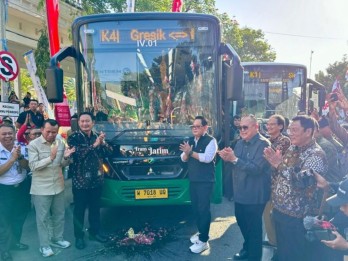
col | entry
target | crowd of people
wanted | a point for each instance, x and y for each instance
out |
(31, 162)
(297, 171)
(288, 177)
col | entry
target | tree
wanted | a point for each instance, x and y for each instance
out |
(69, 87)
(26, 83)
(250, 44)
(153, 6)
(334, 71)
(42, 56)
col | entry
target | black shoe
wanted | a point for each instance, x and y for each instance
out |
(19, 246)
(80, 243)
(267, 244)
(6, 256)
(242, 255)
(99, 238)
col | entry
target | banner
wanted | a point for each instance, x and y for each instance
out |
(41, 95)
(61, 110)
(177, 5)
(52, 9)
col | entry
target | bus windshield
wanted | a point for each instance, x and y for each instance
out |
(146, 76)
(271, 88)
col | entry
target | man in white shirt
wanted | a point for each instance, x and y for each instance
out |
(14, 192)
(199, 153)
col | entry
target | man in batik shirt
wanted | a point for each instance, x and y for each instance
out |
(275, 126)
(87, 178)
(295, 194)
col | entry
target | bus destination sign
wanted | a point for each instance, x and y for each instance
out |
(145, 38)
(265, 77)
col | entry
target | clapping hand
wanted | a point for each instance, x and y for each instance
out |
(54, 150)
(16, 152)
(100, 140)
(68, 151)
(185, 147)
(227, 154)
(274, 157)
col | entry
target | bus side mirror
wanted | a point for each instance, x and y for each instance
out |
(54, 77)
(233, 79)
(238, 80)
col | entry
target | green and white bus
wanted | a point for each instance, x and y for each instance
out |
(279, 88)
(146, 76)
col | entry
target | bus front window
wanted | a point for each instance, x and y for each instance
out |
(272, 88)
(155, 80)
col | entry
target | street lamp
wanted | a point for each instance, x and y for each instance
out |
(310, 63)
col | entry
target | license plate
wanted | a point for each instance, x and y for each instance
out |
(151, 193)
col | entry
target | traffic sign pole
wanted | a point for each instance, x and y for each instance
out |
(4, 85)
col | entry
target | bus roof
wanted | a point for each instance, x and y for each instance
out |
(142, 16)
(271, 64)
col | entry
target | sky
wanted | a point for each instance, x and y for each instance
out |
(296, 28)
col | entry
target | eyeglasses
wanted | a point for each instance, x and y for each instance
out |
(243, 128)
(271, 124)
(195, 126)
(291, 131)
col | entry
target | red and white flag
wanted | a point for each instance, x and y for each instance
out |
(336, 87)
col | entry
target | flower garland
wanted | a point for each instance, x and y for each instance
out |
(146, 240)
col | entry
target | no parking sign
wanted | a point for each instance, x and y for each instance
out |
(8, 66)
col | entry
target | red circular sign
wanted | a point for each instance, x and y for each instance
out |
(8, 66)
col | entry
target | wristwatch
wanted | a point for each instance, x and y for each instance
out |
(235, 161)
(190, 153)
(20, 157)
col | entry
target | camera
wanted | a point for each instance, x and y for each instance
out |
(304, 178)
(319, 234)
(334, 97)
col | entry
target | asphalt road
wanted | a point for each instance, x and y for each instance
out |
(225, 237)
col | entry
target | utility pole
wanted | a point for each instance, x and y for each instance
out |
(310, 64)
(4, 84)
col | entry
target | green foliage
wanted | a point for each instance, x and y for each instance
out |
(255, 47)
(42, 56)
(153, 6)
(334, 71)
(250, 44)
(69, 87)
(26, 83)
(200, 6)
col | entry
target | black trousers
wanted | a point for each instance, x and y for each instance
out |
(14, 207)
(290, 233)
(249, 219)
(228, 181)
(200, 199)
(83, 199)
